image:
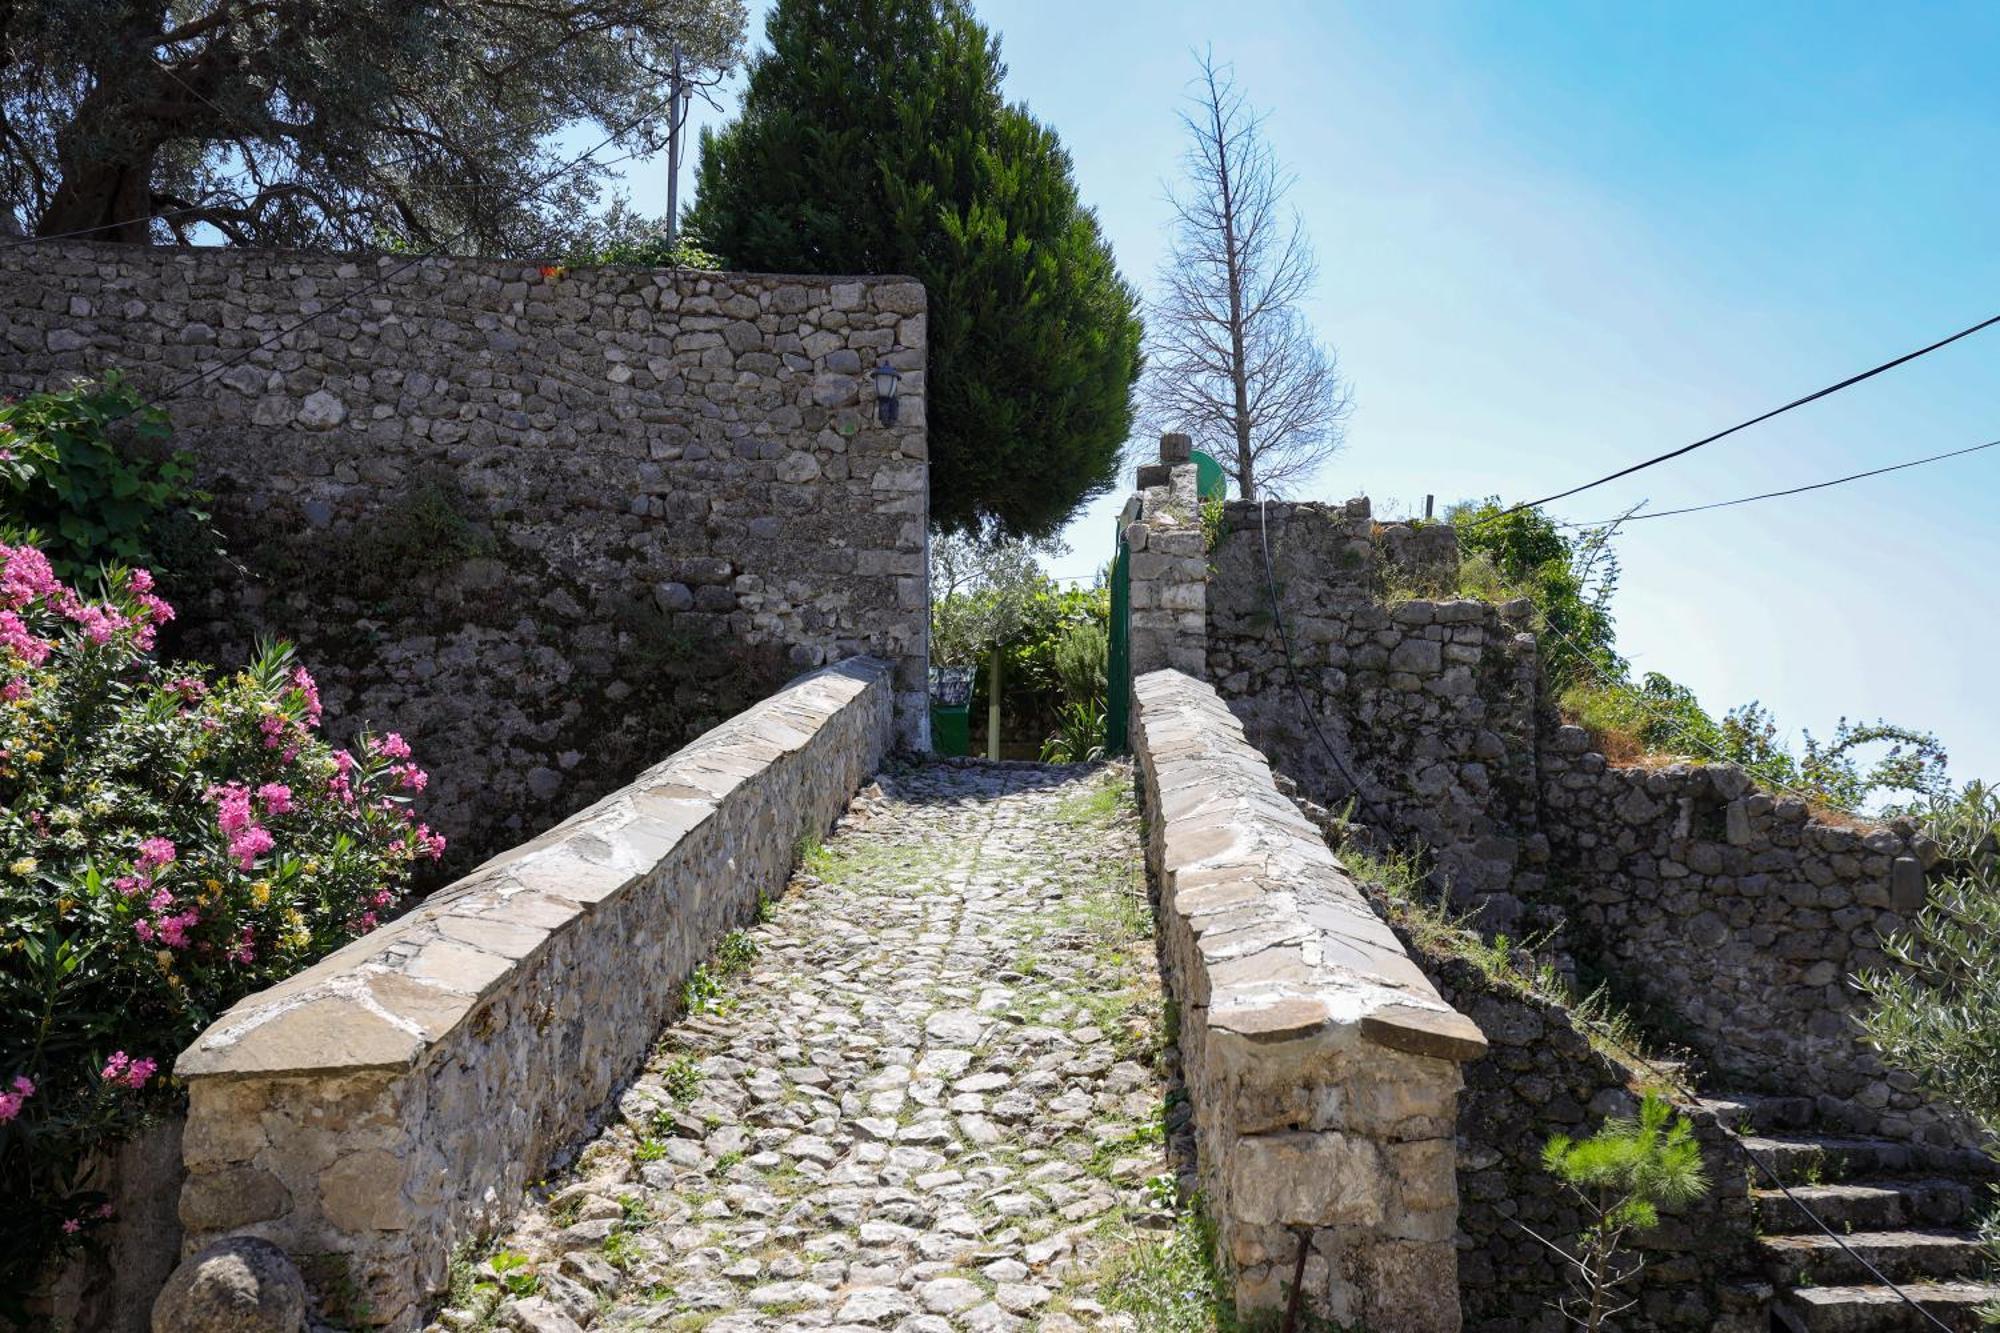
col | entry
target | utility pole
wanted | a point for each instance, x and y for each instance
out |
(678, 99)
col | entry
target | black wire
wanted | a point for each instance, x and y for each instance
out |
(1814, 396)
(1796, 490)
(1292, 671)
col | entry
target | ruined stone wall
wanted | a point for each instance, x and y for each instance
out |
(1735, 920)
(1321, 1065)
(1730, 919)
(393, 1102)
(1541, 1076)
(549, 524)
(1431, 704)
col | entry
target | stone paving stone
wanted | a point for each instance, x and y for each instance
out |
(924, 1105)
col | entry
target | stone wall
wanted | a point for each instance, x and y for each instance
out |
(549, 524)
(110, 1287)
(1431, 704)
(1541, 1077)
(1735, 920)
(1321, 1065)
(394, 1101)
(1730, 919)
(1167, 564)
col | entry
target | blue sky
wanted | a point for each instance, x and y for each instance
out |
(1555, 238)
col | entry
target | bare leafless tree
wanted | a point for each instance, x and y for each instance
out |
(1230, 358)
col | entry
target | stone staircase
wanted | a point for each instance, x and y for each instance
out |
(1910, 1210)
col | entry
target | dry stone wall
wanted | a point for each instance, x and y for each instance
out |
(547, 523)
(1431, 704)
(1740, 920)
(394, 1101)
(1731, 919)
(1321, 1065)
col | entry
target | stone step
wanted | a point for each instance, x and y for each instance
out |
(1818, 1159)
(1754, 1112)
(1873, 1309)
(1804, 1262)
(1871, 1205)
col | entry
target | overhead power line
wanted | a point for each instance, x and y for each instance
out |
(1812, 397)
(1794, 490)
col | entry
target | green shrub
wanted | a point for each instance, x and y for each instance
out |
(84, 475)
(1621, 1176)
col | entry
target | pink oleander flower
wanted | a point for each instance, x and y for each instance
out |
(273, 728)
(10, 1102)
(142, 580)
(25, 575)
(71, 1226)
(276, 798)
(173, 930)
(154, 853)
(431, 844)
(13, 690)
(232, 806)
(160, 901)
(245, 948)
(303, 682)
(191, 689)
(409, 776)
(391, 746)
(21, 641)
(247, 844)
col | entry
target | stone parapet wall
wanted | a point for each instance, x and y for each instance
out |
(1322, 1066)
(548, 523)
(1737, 919)
(394, 1101)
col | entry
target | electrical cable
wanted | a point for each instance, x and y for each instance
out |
(1795, 490)
(1812, 397)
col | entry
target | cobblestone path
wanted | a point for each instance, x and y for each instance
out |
(925, 1094)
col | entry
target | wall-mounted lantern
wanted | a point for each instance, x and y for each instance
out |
(885, 377)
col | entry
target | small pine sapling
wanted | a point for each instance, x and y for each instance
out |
(1622, 1175)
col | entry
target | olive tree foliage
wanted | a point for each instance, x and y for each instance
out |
(981, 589)
(1230, 358)
(1936, 1011)
(338, 124)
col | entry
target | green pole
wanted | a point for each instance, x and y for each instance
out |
(993, 707)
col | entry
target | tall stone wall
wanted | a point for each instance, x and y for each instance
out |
(1430, 704)
(547, 523)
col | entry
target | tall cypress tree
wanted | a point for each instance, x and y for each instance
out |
(874, 139)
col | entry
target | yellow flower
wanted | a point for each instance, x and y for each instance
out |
(212, 885)
(34, 756)
(260, 893)
(24, 867)
(166, 957)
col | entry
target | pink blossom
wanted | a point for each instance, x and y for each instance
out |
(142, 580)
(13, 690)
(191, 689)
(144, 930)
(71, 1226)
(141, 1070)
(369, 921)
(409, 776)
(245, 948)
(25, 574)
(429, 842)
(15, 636)
(128, 884)
(247, 844)
(24, 1085)
(114, 1068)
(303, 682)
(106, 1210)
(391, 746)
(10, 1102)
(154, 853)
(160, 901)
(273, 728)
(156, 608)
(173, 929)
(232, 806)
(276, 798)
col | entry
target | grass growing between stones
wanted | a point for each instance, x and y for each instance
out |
(1412, 906)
